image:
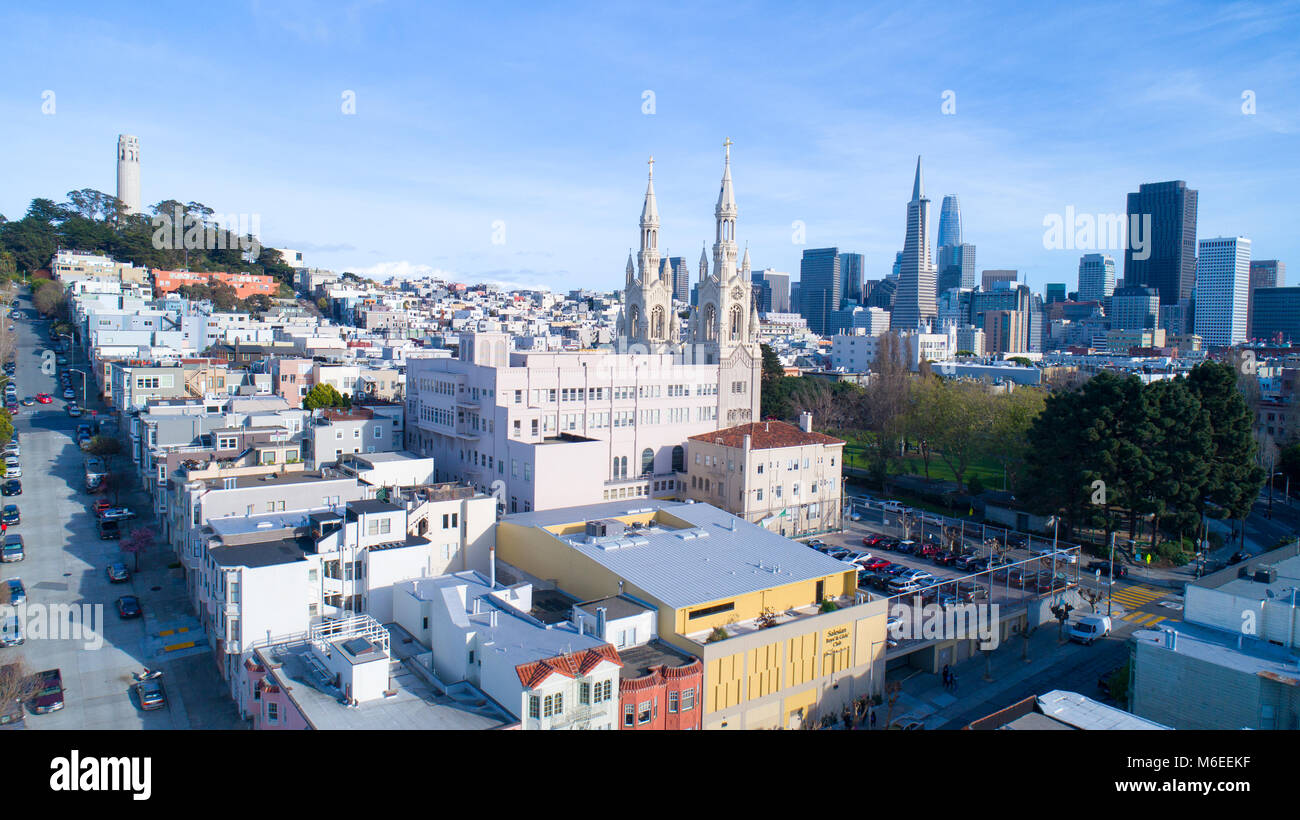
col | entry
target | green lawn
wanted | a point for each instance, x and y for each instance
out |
(858, 443)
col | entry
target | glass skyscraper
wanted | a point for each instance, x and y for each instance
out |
(819, 287)
(852, 270)
(1169, 265)
(1096, 277)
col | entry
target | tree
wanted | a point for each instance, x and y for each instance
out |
(49, 298)
(323, 395)
(1235, 480)
(17, 685)
(961, 413)
(137, 541)
(106, 447)
(1012, 415)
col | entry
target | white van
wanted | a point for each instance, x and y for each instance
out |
(893, 506)
(1089, 628)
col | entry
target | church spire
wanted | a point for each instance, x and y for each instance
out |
(744, 263)
(726, 197)
(724, 245)
(704, 263)
(648, 258)
(650, 211)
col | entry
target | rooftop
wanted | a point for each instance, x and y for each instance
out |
(639, 660)
(1230, 580)
(765, 435)
(686, 554)
(1221, 647)
(262, 553)
(244, 482)
(413, 704)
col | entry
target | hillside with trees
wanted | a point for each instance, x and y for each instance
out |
(96, 222)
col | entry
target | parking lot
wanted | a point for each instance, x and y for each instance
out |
(66, 563)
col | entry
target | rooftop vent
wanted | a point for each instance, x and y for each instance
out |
(1266, 574)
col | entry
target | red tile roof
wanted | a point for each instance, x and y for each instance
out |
(765, 435)
(572, 665)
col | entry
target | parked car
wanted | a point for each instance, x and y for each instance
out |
(128, 606)
(17, 592)
(11, 515)
(49, 692)
(118, 573)
(116, 514)
(1089, 628)
(929, 550)
(1103, 567)
(11, 631)
(12, 551)
(1238, 557)
(903, 586)
(906, 547)
(74, 411)
(110, 530)
(893, 569)
(840, 553)
(44, 398)
(875, 564)
(11, 487)
(151, 694)
(861, 559)
(872, 540)
(918, 575)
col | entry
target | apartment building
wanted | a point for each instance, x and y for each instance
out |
(334, 432)
(245, 284)
(547, 675)
(770, 473)
(612, 424)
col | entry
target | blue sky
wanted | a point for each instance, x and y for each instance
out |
(531, 115)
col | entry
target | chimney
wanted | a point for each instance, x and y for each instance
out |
(805, 422)
(492, 566)
(1171, 639)
(749, 441)
(600, 622)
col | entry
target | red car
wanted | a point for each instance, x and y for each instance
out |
(44, 398)
(872, 540)
(875, 564)
(929, 550)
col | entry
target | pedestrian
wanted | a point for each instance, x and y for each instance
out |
(873, 718)
(952, 681)
(946, 676)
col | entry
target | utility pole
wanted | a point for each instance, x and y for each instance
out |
(1110, 579)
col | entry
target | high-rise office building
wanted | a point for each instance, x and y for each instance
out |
(678, 274)
(956, 267)
(1222, 286)
(1276, 313)
(898, 264)
(880, 293)
(1265, 273)
(914, 304)
(990, 278)
(1096, 277)
(1135, 308)
(819, 287)
(1165, 258)
(949, 224)
(852, 273)
(772, 290)
(1055, 292)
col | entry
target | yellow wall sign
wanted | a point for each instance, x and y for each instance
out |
(836, 638)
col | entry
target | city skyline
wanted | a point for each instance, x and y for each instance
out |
(417, 178)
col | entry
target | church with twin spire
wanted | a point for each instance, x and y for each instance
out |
(722, 328)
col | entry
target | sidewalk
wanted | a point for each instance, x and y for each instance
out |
(923, 697)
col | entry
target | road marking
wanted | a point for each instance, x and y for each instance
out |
(1136, 596)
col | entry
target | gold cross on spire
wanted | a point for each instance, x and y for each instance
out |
(727, 145)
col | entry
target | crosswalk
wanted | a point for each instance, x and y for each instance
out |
(1137, 596)
(1134, 598)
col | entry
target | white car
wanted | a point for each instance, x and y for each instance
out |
(69, 394)
(861, 558)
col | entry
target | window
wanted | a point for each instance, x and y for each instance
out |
(629, 715)
(679, 459)
(604, 691)
(688, 699)
(647, 461)
(534, 706)
(272, 712)
(643, 712)
(584, 693)
(672, 703)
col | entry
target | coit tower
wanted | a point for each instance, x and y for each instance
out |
(128, 172)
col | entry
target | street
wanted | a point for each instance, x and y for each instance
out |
(66, 562)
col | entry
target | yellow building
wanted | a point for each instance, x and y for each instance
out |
(784, 634)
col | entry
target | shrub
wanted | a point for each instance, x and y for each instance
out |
(828, 605)
(718, 634)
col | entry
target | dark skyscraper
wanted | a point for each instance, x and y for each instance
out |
(819, 287)
(1168, 250)
(852, 269)
(1264, 273)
